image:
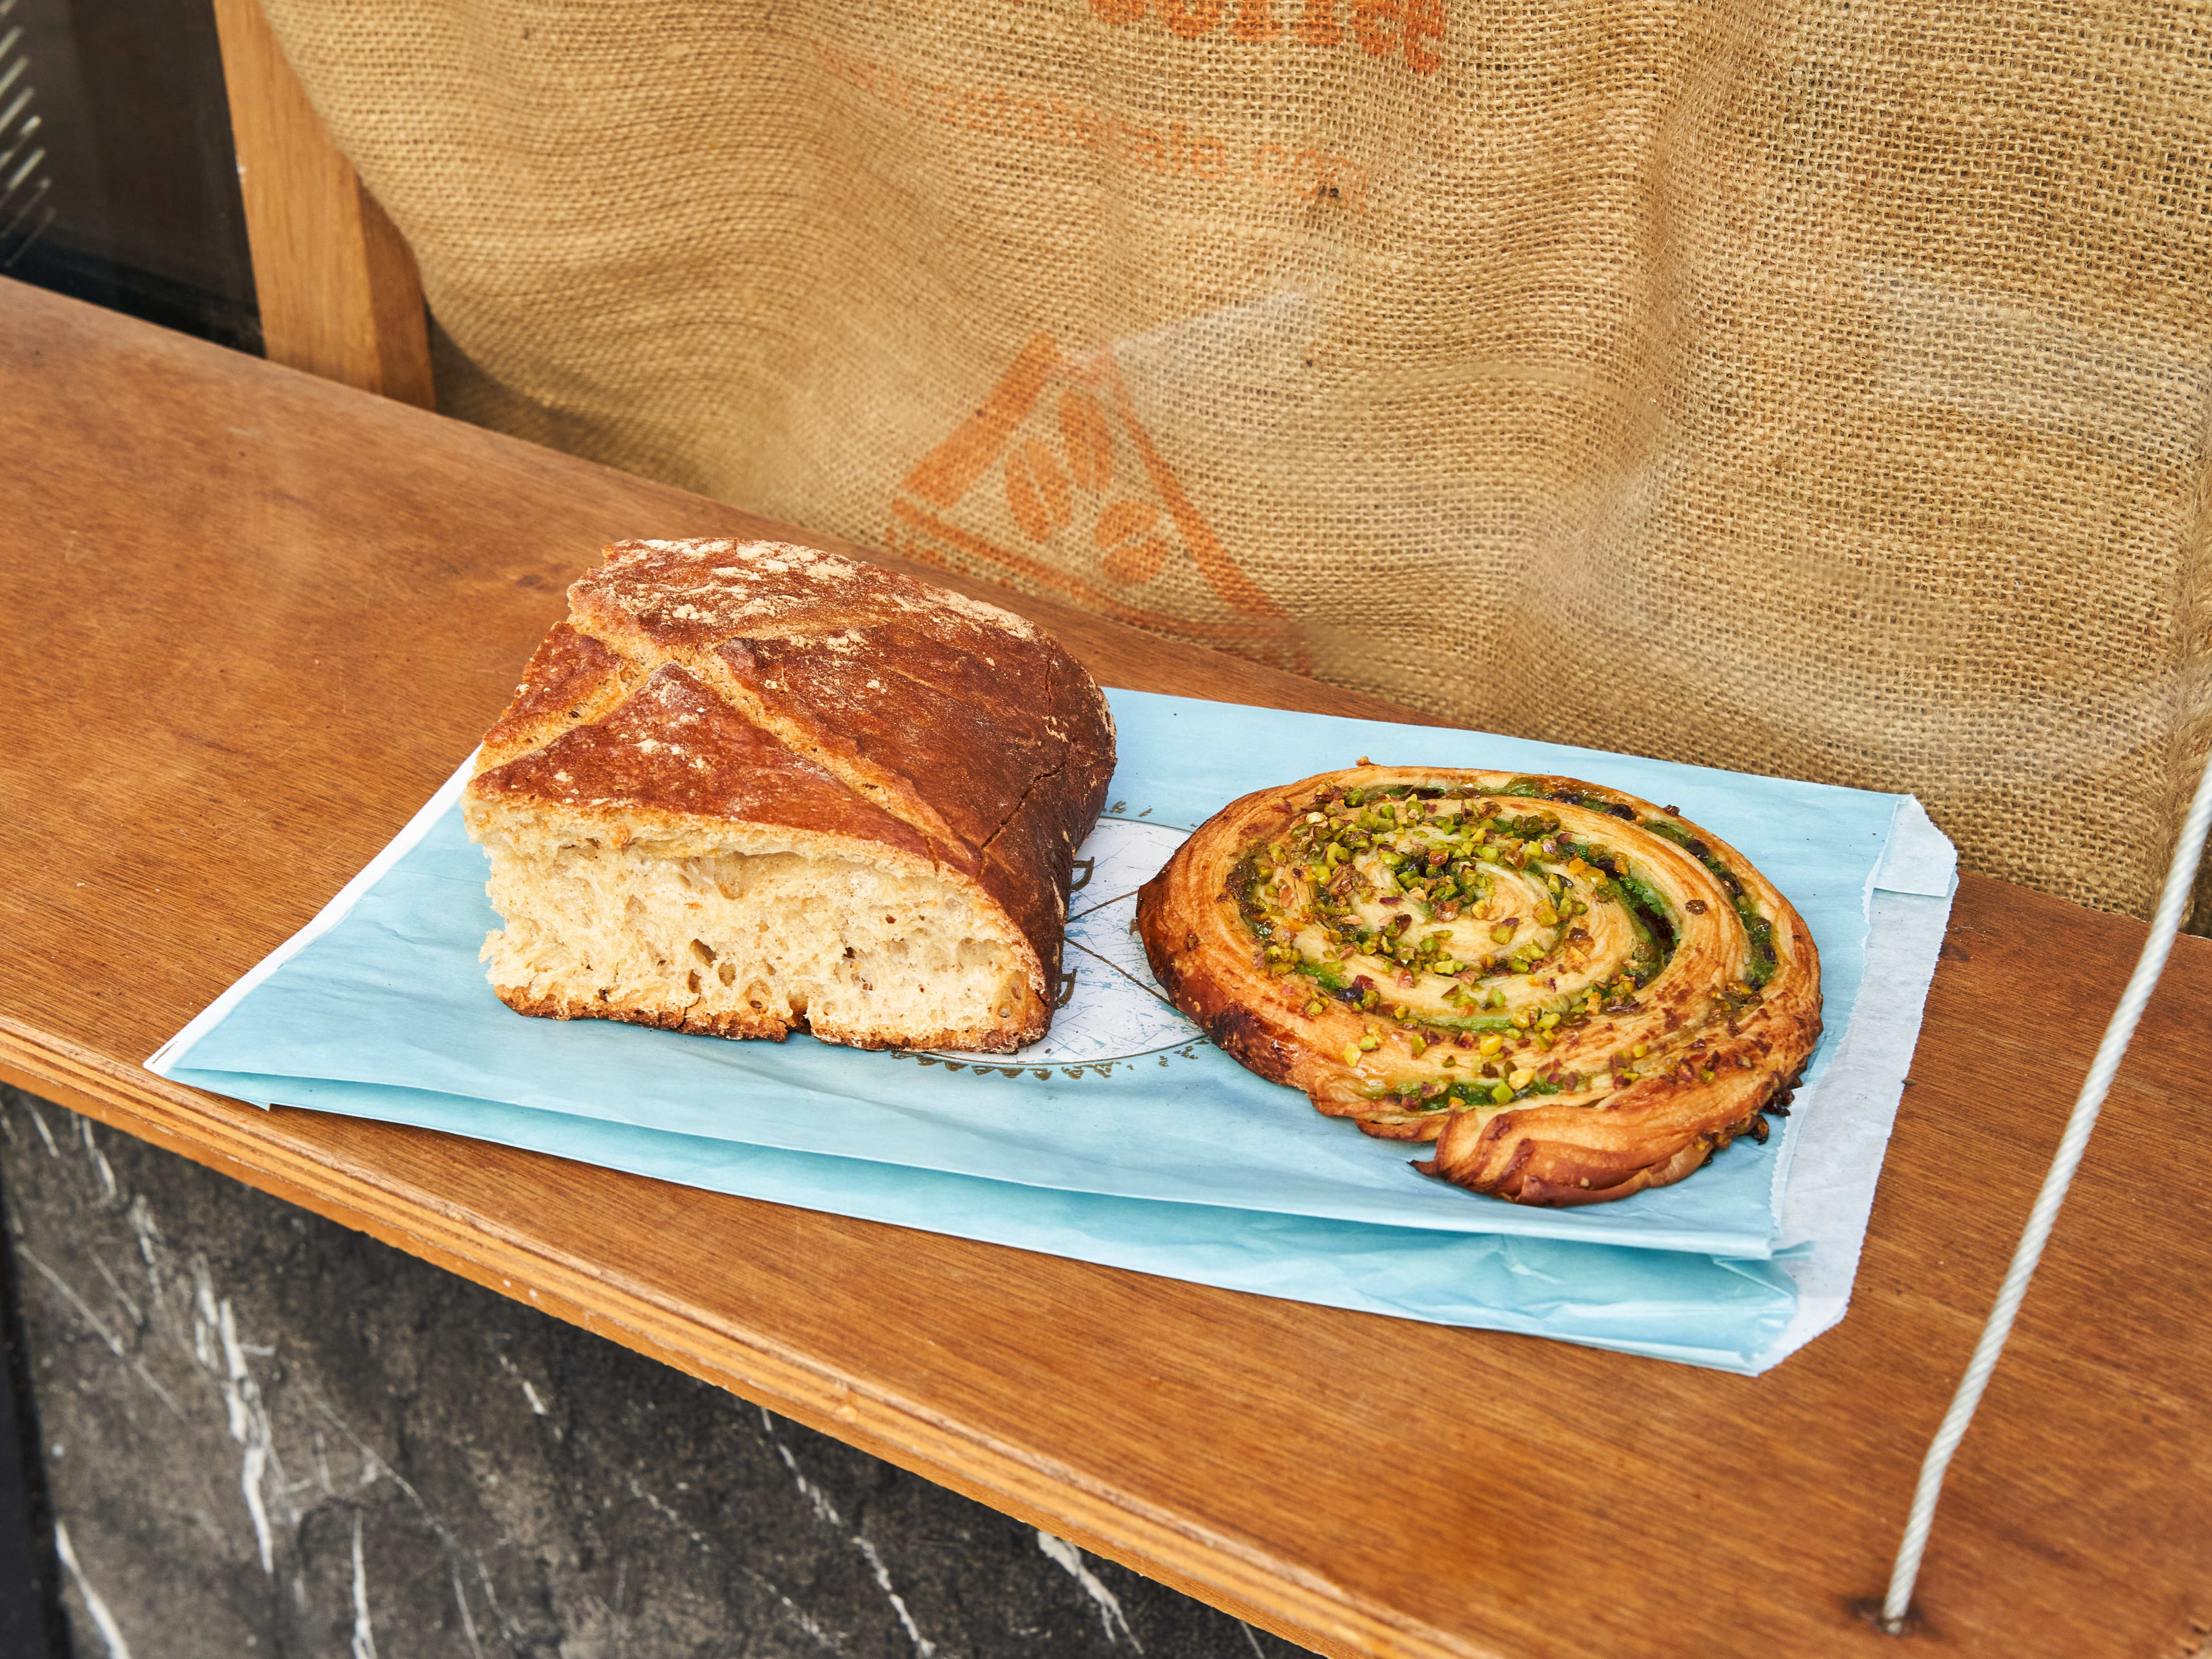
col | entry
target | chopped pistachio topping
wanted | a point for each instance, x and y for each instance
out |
(1481, 920)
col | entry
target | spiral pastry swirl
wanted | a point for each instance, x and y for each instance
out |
(1575, 993)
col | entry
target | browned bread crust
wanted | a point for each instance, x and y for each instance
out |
(708, 691)
(1686, 990)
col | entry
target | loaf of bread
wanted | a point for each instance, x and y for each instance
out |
(748, 789)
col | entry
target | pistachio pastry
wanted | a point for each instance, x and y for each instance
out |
(1574, 993)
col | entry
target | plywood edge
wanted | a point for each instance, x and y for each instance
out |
(1234, 1575)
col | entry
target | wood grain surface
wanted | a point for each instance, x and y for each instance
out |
(338, 290)
(254, 618)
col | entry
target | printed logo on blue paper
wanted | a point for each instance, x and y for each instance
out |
(1111, 1011)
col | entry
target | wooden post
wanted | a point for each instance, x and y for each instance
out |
(339, 292)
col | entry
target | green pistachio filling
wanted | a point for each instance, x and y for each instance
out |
(1468, 917)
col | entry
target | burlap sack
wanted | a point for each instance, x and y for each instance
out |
(1819, 388)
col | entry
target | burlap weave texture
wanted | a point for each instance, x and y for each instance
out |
(1814, 388)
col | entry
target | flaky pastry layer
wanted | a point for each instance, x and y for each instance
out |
(1574, 993)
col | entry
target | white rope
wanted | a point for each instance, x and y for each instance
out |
(2165, 921)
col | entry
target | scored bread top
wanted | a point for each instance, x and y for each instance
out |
(772, 684)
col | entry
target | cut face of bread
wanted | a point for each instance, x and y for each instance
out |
(749, 788)
(749, 936)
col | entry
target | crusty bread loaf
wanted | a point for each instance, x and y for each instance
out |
(748, 789)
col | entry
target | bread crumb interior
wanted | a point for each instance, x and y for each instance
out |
(768, 940)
